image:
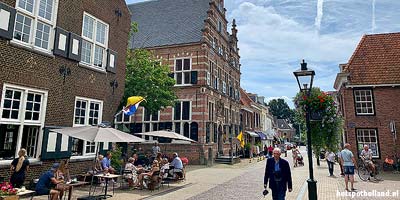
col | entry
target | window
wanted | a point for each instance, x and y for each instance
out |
(34, 23)
(22, 113)
(95, 41)
(150, 121)
(183, 69)
(208, 78)
(364, 102)
(219, 26)
(368, 137)
(224, 87)
(214, 43)
(87, 112)
(182, 110)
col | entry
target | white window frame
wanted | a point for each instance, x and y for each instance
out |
(86, 120)
(21, 118)
(95, 43)
(183, 71)
(180, 118)
(358, 104)
(33, 28)
(365, 133)
(208, 78)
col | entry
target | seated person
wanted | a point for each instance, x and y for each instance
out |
(46, 182)
(106, 164)
(159, 157)
(366, 157)
(62, 172)
(132, 177)
(164, 168)
(98, 168)
(154, 168)
(176, 165)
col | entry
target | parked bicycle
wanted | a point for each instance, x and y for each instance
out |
(365, 173)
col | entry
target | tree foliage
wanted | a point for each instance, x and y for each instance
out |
(146, 77)
(280, 109)
(325, 133)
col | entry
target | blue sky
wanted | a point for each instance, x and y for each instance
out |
(275, 35)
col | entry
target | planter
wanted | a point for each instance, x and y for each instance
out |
(11, 197)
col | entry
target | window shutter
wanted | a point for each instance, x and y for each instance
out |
(75, 47)
(61, 43)
(7, 19)
(55, 145)
(111, 61)
(193, 77)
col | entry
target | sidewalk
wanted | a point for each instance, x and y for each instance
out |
(334, 187)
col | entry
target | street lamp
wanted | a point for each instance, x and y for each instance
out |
(305, 79)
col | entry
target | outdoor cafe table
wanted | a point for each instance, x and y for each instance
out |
(71, 186)
(107, 177)
(26, 192)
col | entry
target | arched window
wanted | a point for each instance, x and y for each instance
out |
(194, 131)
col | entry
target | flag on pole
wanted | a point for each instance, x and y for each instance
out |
(132, 105)
(241, 139)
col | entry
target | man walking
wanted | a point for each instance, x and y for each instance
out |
(349, 163)
(330, 159)
(277, 171)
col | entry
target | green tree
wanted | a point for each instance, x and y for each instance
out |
(325, 133)
(146, 77)
(280, 109)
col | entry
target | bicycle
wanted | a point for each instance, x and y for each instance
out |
(366, 174)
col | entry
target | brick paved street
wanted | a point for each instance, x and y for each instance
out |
(245, 181)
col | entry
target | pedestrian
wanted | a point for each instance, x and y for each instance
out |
(270, 149)
(19, 167)
(339, 155)
(277, 172)
(330, 159)
(349, 163)
(155, 150)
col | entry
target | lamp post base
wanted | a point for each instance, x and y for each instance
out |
(312, 189)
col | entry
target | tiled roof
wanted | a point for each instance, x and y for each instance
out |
(168, 22)
(282, 124)
(376, 60)
(244, 98)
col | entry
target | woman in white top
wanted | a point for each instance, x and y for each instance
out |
(131, 177)
(330, 159)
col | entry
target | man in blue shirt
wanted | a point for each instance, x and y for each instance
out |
(277, 173)
(176, 165)
(106, 163)
(46, 183)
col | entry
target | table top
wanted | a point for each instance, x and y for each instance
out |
(108, 175)
(25, 192)
(76, 183)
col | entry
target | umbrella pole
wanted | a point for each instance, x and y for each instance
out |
(94, 166)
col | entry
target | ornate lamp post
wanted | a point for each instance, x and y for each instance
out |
(305, 79)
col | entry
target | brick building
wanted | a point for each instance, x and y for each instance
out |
(191, 37)
(368, 87)
(60, 64)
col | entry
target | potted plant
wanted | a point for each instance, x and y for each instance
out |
(7, 192)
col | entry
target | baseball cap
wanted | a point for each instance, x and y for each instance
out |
(55, 166)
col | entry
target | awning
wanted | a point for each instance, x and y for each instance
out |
(262, 135)
(252, 134)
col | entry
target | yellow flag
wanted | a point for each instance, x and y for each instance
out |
(241, 139)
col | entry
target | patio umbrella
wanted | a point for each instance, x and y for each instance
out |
(98, 134)
(166, 134)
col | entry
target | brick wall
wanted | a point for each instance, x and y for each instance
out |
(28, 68)
(387, 108)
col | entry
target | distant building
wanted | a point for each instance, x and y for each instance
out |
(191, 36)
(368, 88)
(60, 65)
(285, 132)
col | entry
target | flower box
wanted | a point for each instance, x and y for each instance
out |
(11, 197)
